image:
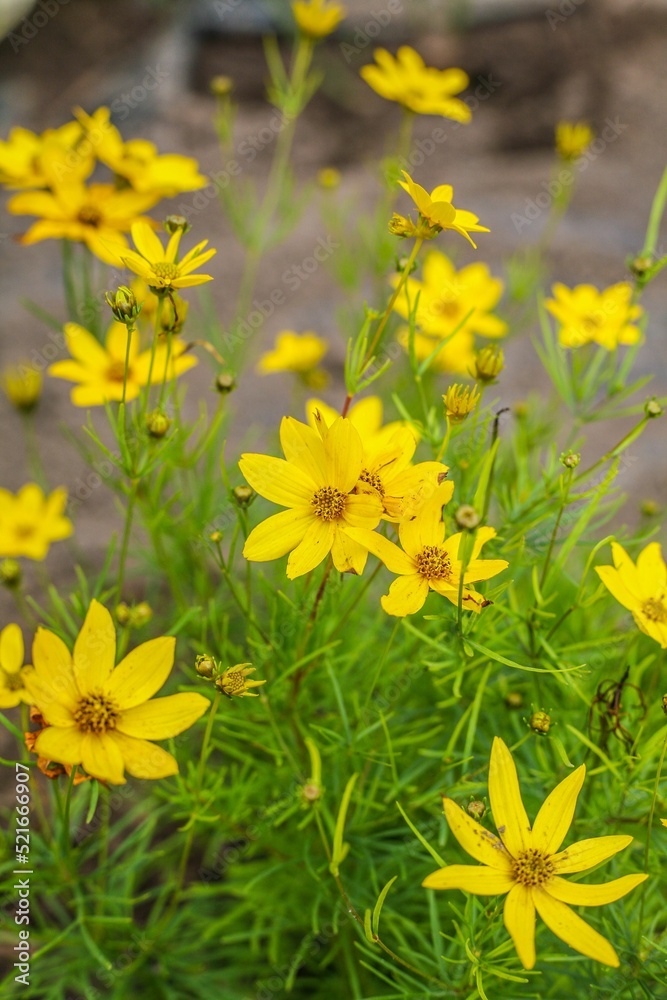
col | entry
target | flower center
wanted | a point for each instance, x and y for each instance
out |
(96, 713)
(442, 307)
(24, 531)
(591, 323)
(11, 681)
(532, 868)
(90, 216)
(116, 371)
(373, 480)
(165, 270)
(434, 563)
(654, 609)
(329, 503)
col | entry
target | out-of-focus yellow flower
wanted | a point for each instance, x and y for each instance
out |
(316, 483)
(22, 385)
(103, 717)
(317, 18)
(437, 212)
(159, 267)
(526, 863)
(460, 401)
(97, 215)
(405, 78)
(12, 687)
(365, 415)
(489, 363)
(31, 521)
(234, 682)
(429, 562)
(100, 371)
(28, 160)
(300, 353)
(573, 139)
(640, 587)
(328, 178)
(587, 315)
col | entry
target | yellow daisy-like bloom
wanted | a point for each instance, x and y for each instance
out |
(317, 18)
(446, 297)
(438, 213)
(406, 79)
(300, 353)
(138, 161)
(159, 267)
(97, 215)
(12, 686)
(22, 385)
(641, 588)
(573, 139)
(429, 562)
(100, 717)
(527, 862)
(30, 521)
(460, 401)
(316, 481)
(587, 315)
(387, 466)
(28, 160)
(100, 371)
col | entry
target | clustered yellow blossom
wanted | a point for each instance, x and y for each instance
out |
(587, 315)
(640, 587)
(573, 139)
(406, 79)
(317, 18)
(30, 521)
(527, 863)
(12, 686)
(436, 213)
(300, 353)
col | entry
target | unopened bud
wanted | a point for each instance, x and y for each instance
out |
(243, 495)
(650, 508)
(205, 666)
(216, 537)
(489, 363)
(540, 723)
(10, 573)
(224, 383)
(467, 517)
(22, 385)
(476, 809)
(570, 459)
(157, 423)
(123, 304)
(652, 408)
(221, 86)
(514, 699)
(176, 224)
(328, 178)
(311, 793)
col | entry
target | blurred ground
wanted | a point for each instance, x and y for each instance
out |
(604, 61)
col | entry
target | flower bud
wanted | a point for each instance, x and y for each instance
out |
(133, 616)
(640, 266)
(400, 226)
(243, 495)
(328, 178)
(157, 423)
(650, 508)
(22, 385)
(540, 723)
(216, 537)
(476, 809)
(570, 459)
(489, 363)
(221, 86)
(460, 401)
(206, 666)
(10, 573)
(664, 703)
(311, 793)
(514, 699)
(176, 224)
(123, 304)
(234, 682)
(467, 517)
(225, 383)
(652, 408)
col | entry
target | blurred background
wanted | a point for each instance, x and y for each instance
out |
(530, 62)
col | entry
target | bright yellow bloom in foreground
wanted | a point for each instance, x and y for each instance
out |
(641, 588)
(365, 415)
(437, 211)
(99, 371)
(294, 352)
(429, 562)
(316, 481)
(317, 18)
(526, 862)
(22, 385)
(28, 160)
(100, 717)
(406, 79)
(587, 315)
(159, 267)
(31, 521)
(97, 215)
(12, 686)
(573, 139)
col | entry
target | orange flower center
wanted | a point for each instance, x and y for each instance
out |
(532, 867)
(90, 216)
(448, 309)
(116, 371)
(654, 609)
(96, 713)
(329, 503)
(165, 270)
(11, 681)
(434, 563)
(24, 531)
(373, 480)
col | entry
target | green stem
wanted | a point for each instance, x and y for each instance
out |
(647, 849)
(129, 513)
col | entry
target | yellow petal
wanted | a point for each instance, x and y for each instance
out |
(347, 554)
(387, 552)
(343, 453)
(484, 569)
(63, 746)
(480, 881)
(406, 596)
(12, 650)
(52, 661)
(651, 568)
(143, 759)
(95, 649)
(277, 480)
(555, 816)
(509, 814)
(519, 920)
(48, 701)
(580, 894)
(304, 448)
(587, 853)
(363, 510)
(428, 527)
(162, 718)
(278, 534)
(101, 757)
(475, 840)
(614, 583)
(147, 242)
(571, 929)
(142, 672)
(312, 549)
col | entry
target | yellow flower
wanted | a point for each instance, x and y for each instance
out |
(446, 297)
(138, 161)
(316, 482)
(573, 139)
(460, 401)
(28, 160)
(587, 315)
(329, 178)
(22, 385)
(405, 78)
(317, 18)
(100, 717)
(438, 213)
(159, 267)
(428, 562)
(234, 681)
(30, 521)
(489, 363)
(641, 588)
(99, 371)
(295, 352)
(365, 415)
(12, 687)
(526, 862)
